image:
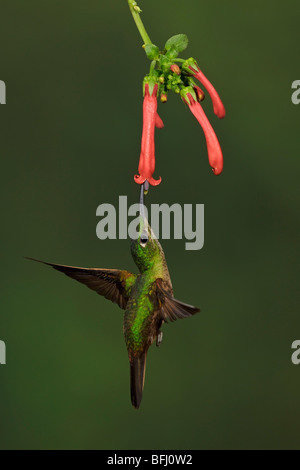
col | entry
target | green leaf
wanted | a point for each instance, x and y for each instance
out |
(152, 51)
(176, 44)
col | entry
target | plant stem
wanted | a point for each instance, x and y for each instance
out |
(135, 11)
(152, 66)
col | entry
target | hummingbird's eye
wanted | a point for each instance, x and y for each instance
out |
(143, 241)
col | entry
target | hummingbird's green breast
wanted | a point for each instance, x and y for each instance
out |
(140, 318)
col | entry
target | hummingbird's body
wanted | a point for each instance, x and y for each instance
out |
(147, 299)
(142, 319)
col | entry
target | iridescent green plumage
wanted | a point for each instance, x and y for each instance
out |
(147, 299)
(140, 314)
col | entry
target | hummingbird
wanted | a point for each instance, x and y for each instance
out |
(147, 299)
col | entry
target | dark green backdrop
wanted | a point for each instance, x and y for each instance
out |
(69, 141)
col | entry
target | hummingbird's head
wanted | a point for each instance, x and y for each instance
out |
(146, 249)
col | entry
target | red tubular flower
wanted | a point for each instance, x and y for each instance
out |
(158, 121)
(215, 156)
(219, 108)
(150, 120)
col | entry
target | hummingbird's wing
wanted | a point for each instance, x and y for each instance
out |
(171, 309)
(113, 284)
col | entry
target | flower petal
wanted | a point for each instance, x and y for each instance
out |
(219, 108)
(158, 121)
(215, 155)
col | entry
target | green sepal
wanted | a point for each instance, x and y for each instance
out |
(184, 92)
(152, 51)
(191, 62)
(175, 45)
(152, 81)
(190, 81)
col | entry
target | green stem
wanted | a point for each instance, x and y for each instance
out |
(135, 11)
(152, 67)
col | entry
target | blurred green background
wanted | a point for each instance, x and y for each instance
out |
(70, 140)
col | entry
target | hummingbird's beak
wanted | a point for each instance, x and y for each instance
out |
(142, 205)
(143, 192)
(146, 187)
(145, 229)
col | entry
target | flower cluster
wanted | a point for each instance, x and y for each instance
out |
(166, 75)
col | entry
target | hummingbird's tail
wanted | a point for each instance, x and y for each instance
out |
(137, 378)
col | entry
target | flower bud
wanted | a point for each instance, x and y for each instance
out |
(175, 69)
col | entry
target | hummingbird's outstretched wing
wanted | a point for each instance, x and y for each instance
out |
(113, 284)
(172, 309)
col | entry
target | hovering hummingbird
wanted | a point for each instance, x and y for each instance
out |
(147, 299)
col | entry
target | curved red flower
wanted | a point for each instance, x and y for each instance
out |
(192, 67)
(158, 121)
(215, 155)
(150, 120)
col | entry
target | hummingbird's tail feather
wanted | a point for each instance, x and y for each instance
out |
(137, 378)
